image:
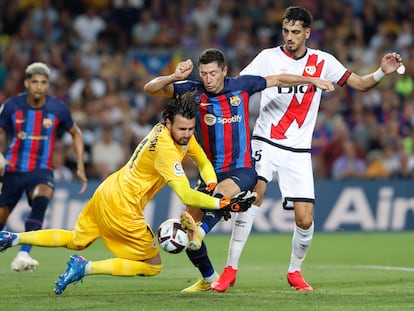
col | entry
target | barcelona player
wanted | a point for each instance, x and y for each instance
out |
(115, 211)
(31, 121)
(222, 128)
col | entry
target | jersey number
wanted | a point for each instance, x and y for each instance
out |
(257, 155)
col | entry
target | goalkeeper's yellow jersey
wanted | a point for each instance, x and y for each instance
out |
(155, 162)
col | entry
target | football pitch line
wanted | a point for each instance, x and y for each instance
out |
(324, 267)
(370, 267)
(391, 268)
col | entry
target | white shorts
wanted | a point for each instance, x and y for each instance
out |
(292, 170)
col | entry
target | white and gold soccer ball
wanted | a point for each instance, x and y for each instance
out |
(171, 236)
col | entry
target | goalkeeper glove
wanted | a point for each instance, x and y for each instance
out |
(209, 189)
(241, 202)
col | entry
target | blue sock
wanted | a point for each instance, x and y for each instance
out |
(35, 220)
(200, 259)
(210, 219)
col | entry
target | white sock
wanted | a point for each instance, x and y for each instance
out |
(300, 244)
(22, 253)
(242, 227)
(88, 268)
(212, 278)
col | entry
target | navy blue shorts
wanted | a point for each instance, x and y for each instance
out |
(245, 178)
(13, 184)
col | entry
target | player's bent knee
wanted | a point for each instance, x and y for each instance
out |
(154, 269)
(304, 224)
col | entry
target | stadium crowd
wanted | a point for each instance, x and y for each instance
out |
(102, 52)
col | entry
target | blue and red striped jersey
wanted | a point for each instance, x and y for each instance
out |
(32, 131)
(222, 125)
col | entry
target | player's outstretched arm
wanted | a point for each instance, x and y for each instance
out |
(241, 202)
(286, 80)
(389, 64)
(162, 85)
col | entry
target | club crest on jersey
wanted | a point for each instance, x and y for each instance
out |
(235, 100)
(178, 169)
(310, 70)
(47, 123)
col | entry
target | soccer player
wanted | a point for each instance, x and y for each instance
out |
(115, 211)
(282, 134)
(31, 121)
(222, 129)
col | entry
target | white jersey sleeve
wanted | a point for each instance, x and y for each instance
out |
(288, 114)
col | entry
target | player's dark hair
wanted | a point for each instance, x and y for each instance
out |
(297, 13)
(185, 105)
(212, 55)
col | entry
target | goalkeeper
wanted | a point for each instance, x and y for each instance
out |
(115, 211)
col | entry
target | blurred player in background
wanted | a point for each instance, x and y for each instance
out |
(222, 128)
(30, 122)
(281, 140)
(115, 211)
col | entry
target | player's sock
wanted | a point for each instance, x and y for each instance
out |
(300, 244)
(37, 214)
(35, 219)
(242, 227)
(50, 237)
(122, 267)
(200, 259)
(210, 219)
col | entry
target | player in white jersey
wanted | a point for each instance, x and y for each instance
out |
(282, 135)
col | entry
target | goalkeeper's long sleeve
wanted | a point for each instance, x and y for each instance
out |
(191, 197)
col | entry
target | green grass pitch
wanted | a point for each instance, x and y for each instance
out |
(349, 271)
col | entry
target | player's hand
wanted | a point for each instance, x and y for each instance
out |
(3, 163)
(324, 85)
(390, 62)
(241, 202)
(82, 177)
(183, 69)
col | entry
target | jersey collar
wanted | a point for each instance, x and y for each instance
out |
(291, 56)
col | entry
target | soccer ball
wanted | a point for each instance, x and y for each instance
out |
(172, 238)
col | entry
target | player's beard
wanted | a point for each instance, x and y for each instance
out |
(291, 49)
(183, 141)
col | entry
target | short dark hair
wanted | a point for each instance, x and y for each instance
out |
(212, 55)
(297, 13)
(186, 105)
